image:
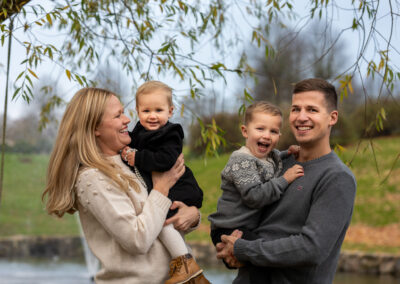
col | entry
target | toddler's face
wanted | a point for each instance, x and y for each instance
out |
(154, 110)
(262, 133)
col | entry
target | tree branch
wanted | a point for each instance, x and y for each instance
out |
(11, 7)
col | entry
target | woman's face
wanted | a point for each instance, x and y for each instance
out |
(112, 133)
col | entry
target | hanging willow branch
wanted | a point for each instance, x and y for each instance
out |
(3, 143)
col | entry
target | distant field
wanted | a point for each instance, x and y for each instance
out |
(377, 202)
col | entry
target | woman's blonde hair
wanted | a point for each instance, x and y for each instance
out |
(76, 148)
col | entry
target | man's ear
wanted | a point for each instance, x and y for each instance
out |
(334, 116)
(244, 131)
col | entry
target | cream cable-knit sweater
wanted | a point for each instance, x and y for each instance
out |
(122, 228)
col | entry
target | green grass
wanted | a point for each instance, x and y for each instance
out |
(370, 248)
(22, 211)
(377, 201)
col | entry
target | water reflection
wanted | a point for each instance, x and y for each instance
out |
(67, 272)
(43, 272)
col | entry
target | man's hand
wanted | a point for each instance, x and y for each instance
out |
(225, 249)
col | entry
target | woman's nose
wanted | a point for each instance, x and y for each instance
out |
(126, 119)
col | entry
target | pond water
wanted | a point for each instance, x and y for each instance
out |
(57, 272)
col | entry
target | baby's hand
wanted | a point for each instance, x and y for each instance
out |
(294, 149)
(128, 154)
(294, 172)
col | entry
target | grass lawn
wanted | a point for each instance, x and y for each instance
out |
(22, 211)
(377, 201)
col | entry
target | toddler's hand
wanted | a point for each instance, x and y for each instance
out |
(294, 149)
(128, 155)
(294, 172)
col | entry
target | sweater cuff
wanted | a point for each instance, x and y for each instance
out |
(282, 183)
(160, 200)
(240, 250)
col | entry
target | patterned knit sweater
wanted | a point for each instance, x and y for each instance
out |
(247, 184)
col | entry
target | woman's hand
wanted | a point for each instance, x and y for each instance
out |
(162, 182)
(186, 217)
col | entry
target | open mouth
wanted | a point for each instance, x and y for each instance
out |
(303, 128)
(263, 146)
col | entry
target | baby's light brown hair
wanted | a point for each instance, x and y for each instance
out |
(151, 86)
(263, 107)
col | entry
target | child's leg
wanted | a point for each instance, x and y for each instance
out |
(173, 241)
(183, 266)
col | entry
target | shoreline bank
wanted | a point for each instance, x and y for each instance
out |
(18, 247)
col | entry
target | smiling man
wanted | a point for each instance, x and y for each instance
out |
(301, 234)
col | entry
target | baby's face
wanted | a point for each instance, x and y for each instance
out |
(154, 110)
(262, 133)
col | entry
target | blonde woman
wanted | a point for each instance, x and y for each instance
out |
(120, 220)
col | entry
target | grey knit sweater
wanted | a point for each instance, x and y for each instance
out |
(301, 234)
(247, 184)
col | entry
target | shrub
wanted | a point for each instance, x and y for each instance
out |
(230, 123)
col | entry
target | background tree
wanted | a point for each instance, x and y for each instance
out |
(295, 55)
(168, 39)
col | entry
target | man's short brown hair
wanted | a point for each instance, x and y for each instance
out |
(151, 86)
(320, 85)
(261, 106)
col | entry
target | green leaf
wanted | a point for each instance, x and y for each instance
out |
(20, 75)
(217, 66)
(383, 113)
(247, 96)
(33, 73)
(48, 17)
(68, 74)
(16, 92)
(242, 109)
(78, 78)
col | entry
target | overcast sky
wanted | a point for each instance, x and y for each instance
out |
(18, 107)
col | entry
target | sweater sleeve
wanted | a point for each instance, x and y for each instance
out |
(113, 209)
(327, 222)
(161, 159)
(283, 154)
(254, 192)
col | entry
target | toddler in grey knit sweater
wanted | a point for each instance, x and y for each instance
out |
(252, 177)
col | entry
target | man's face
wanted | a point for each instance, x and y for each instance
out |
(310, 120)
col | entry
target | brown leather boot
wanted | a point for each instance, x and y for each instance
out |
(200, 279)
(182, 269)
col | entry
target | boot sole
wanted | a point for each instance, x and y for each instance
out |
(193, 276)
